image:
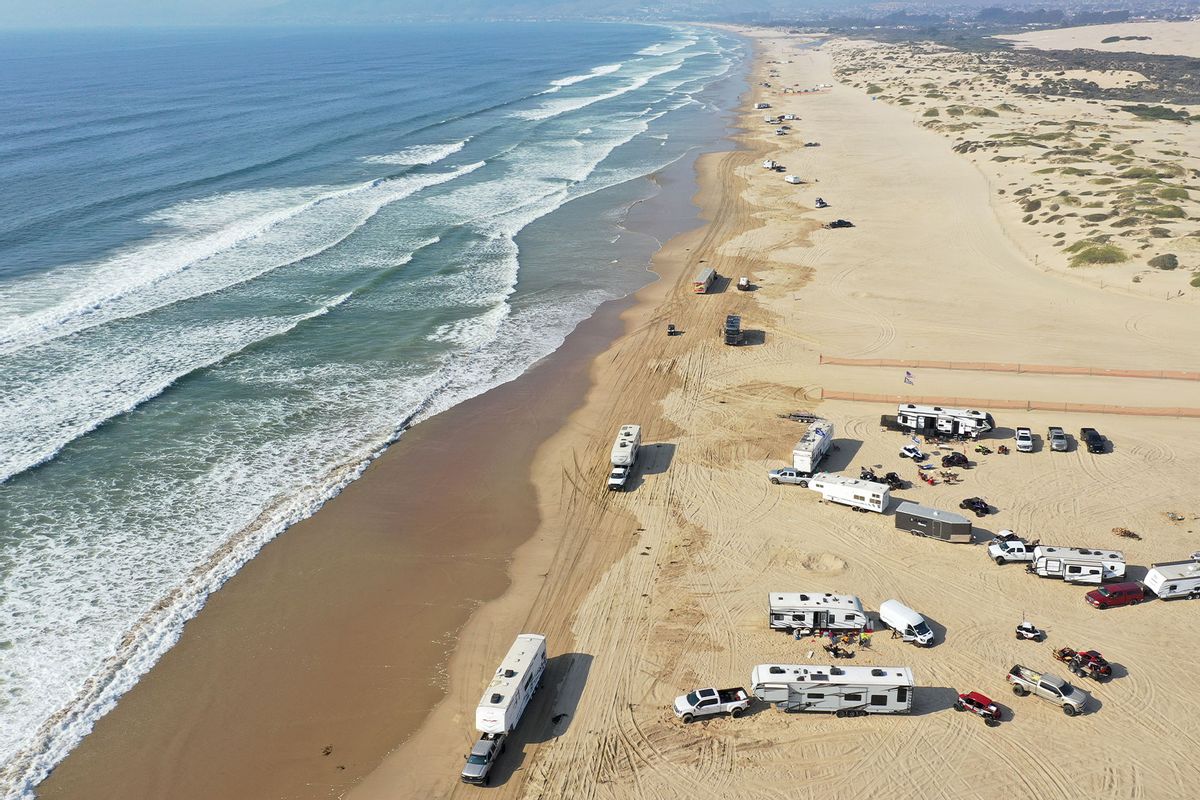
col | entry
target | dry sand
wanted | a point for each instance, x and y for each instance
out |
(1083, 185)
(654, 592)
(1166, 38)
(648, 594)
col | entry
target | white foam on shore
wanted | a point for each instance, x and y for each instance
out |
(571, 80)
(556, 108)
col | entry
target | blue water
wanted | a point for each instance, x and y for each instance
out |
(234, 265)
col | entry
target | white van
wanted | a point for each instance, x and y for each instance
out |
(908, 623)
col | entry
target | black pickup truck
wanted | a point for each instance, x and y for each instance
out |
(1092, 439)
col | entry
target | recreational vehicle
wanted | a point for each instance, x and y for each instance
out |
(925, 521)
(793, 179)
(1174, 579)
(815, 612)
(624, 453)
(861, 495)
(506, 697)
(843, 691)
(1075, 565)
(964, 422)
(704, 280)
(760, 106)
(813, 446)
(769, 164)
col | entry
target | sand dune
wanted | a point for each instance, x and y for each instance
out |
(651, 593)
(1165, 38)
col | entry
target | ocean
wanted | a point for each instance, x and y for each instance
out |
(236, 264)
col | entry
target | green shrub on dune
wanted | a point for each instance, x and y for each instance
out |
(1096, 254)
(1172, 193)
(1165, 261)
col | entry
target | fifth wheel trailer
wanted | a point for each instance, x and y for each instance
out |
(844, 691)
(925, 521)
(513, 685)
(813, 446)
(963, 422)
(815, 612)
(1075, 565)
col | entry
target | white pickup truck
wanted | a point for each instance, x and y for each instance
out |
(707, 702)
(1010, 551)
(1048, 687)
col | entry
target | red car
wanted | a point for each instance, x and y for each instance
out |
(1117, 594)
(980, 705)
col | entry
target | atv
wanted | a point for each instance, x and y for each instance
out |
(913, 452)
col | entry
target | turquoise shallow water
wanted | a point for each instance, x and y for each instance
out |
(235, 264)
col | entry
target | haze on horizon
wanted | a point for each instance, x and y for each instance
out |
(16, 14)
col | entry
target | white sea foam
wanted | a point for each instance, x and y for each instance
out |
(571, 80)
(418, 154)
(209, 245)
(556, 108)
(666, 48)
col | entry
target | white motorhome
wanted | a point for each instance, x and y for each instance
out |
(965, 422)
(910, 625)
(1174, 579)
(624, 453)
(843, 691)
(815, 612)
(858, 494)
(813, 446)
(1076, 565)
(513, 685)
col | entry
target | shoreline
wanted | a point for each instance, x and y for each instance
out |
(267, 606)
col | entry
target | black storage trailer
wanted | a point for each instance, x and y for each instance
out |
(925, 521)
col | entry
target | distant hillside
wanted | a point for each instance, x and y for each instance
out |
(318, 11)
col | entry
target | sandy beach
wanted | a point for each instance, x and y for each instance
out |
(650, 593)
(1160, 38)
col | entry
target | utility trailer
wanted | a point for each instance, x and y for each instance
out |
(925, 521)
(815, 612)
(858, 494)
(842, 691)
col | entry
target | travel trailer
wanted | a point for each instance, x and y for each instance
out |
(704, 281)
(813, 446)
(964, 422)
(1174, 579)
(794, 179)
(910, 625)
(1075, 565)
(842, 691)
(815, 612)
(513, 685)
(760, 106)
(860, 495)
(925, 521)
(624, 453)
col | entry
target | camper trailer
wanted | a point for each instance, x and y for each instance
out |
(512, 686)
(793, 179)
(1174, 579)
(624, 453)
(925, 521)
(858, 494)
(815, 612)
(842, 691)
(813, 446)
(962, 422)
(704, 280)
(760, 106)
(1075, 565)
